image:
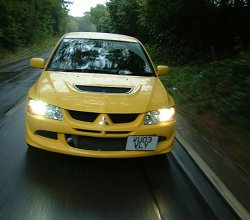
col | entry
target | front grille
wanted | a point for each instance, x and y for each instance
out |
(98, 144)
(91, 117)
(102, 89)
(83, 116)
(122, 118)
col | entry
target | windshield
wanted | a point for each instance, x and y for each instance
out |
(101, 56)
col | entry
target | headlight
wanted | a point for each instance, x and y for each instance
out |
(161, 115)
(43, 109)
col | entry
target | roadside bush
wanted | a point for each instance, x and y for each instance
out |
(219, 90)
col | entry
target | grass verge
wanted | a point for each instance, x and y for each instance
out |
(214, 97)
(21, 53)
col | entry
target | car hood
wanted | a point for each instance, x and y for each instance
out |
(102, 93)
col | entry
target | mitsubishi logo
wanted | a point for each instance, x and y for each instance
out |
(103, 121)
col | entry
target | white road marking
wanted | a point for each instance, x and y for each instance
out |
(235, 204)
(15, 107)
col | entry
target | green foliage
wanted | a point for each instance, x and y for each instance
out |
(127, 17)
(72, 24)
(20, 53)
(184, 30)
(85, 24)
(190, 29)
(26, 21)
(100, 16)
(220, 89)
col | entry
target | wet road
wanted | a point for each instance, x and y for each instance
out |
(41, 185)
(15, 80)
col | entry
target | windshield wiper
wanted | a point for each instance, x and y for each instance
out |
(103, 71)
(142, 74)
(90, 71)
(74, 70)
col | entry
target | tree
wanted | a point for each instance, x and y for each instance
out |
(100, 16)
(127, 17)
(72, 25)
(26, 21)
(85, 24)
(190, 29)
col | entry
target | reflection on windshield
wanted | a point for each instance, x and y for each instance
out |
(100, 56)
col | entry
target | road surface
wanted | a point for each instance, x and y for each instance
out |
(35, 184)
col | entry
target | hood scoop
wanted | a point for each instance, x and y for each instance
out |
(103, 89)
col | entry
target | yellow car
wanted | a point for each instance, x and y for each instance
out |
(99, 95)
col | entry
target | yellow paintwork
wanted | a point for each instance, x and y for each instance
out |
(162, 70)
(148, 93)
(37, 63)
(57, 88)
(69, 127)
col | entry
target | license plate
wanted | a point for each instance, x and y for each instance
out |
(142, 142)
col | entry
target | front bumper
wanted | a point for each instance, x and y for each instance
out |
(55, 136)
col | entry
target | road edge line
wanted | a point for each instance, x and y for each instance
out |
(14, 108)
(234, 203)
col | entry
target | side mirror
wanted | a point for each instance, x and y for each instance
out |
(37, 63)
(162, 70)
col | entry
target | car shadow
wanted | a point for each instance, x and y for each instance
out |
(111, 186)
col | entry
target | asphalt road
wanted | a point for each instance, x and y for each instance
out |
(35, 184)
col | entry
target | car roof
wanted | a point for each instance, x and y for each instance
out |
(98, 35)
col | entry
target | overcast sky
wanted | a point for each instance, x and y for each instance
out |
(80, 6)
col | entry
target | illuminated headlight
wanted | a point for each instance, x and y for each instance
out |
(161, 115)
(43, 109)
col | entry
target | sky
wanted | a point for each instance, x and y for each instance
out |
(80, 6)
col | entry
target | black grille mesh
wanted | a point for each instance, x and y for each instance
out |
(99, 144)
(122, 118)
(83, 116)
(91, 117)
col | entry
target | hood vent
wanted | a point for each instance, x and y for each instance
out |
(103, 89)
